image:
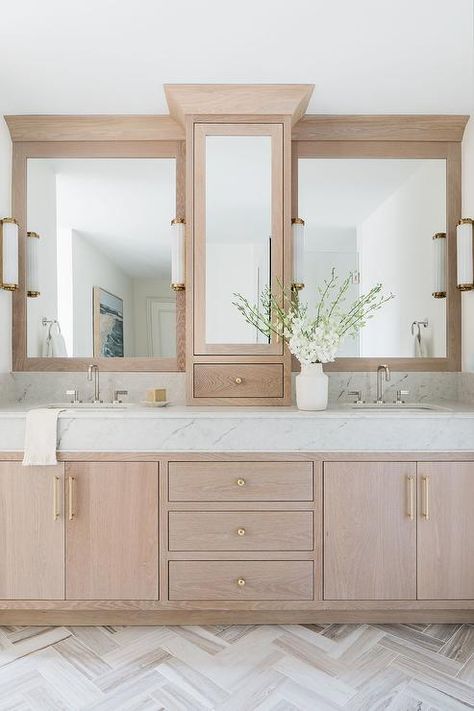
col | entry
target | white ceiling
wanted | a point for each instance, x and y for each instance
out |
(113, 56)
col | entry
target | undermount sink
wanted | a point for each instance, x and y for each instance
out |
(401, 407)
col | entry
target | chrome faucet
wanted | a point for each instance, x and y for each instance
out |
(94, 369)
(382, 370)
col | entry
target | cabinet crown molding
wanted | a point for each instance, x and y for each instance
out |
(226, 99)
(105, 127)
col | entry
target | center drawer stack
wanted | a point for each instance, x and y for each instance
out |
(242, 531)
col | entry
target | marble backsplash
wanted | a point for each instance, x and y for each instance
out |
(38, 388)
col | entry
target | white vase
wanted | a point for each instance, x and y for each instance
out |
(312, 388)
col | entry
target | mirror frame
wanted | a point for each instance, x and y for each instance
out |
(22, 151)
(450, 151)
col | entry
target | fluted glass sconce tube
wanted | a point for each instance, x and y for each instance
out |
(465, 259)
(297, 229)
(9, 254)
(177, 254)
(439, 265)
(32, 264)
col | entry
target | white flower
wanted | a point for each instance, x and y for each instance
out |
(313, 344)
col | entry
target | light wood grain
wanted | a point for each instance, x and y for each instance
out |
(369, 540)
(219, 481)
(243, 99)
(112, 539)
(238, 380)
(31, 532)
(401, 127)
(86, 149)
(241, 531)
(445, 551)
(94, 128)
(218, 580)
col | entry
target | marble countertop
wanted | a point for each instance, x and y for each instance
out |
(227, 429)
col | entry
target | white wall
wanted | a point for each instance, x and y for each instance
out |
(395, 249)
(468, 211)
(5, 211)
(93, 268)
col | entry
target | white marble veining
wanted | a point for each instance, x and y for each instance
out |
(39, 388)
(187, 429)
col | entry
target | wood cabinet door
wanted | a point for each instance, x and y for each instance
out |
(446, 531)
(112, 531)
(31, 532)
(369, 531)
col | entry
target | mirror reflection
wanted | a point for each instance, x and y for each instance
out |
(375, 219)
(238, 232)
(104, 263)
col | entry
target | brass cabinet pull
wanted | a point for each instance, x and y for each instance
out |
(240, 482)
(241, 531)
(56, 481)
(241, 582)
(426, 497)
(411, 497)
(71, 481)
(238, 381)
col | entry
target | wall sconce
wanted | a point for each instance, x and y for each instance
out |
(297, 230)
(32, 264)
(439, 262)
(177, 254)
(9, 254)
(464, 233)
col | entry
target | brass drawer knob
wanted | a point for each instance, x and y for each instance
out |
(238, 381)
(241, 582)
(241, 531)
(240, 482)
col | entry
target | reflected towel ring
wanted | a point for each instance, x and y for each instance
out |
(417, 325)
(50, 323)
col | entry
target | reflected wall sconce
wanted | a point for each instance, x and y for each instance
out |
(177, 254)
(464, 235)
(9, 254)
(439, 264)
(32, 264)
(297, 230)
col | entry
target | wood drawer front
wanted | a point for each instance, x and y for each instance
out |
(240, 530)
(240, 481)
(238, 380)
(219, 580)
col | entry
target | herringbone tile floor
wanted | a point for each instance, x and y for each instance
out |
(238, 668)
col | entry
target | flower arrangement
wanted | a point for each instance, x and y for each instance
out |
(313, 337)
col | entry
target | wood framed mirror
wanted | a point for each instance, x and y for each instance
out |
(102, 210)
(371, 209)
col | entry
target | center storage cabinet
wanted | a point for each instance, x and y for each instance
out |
(209, 538)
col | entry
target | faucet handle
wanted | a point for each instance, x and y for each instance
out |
(358, 394)
(400, 394)
(75, 395)
(117, 395)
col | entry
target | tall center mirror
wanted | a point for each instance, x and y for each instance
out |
(104, 262)
(374, 219)
(238, 231)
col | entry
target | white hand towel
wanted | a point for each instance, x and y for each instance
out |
(41, 436)
(58, 345)
(420, 347)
